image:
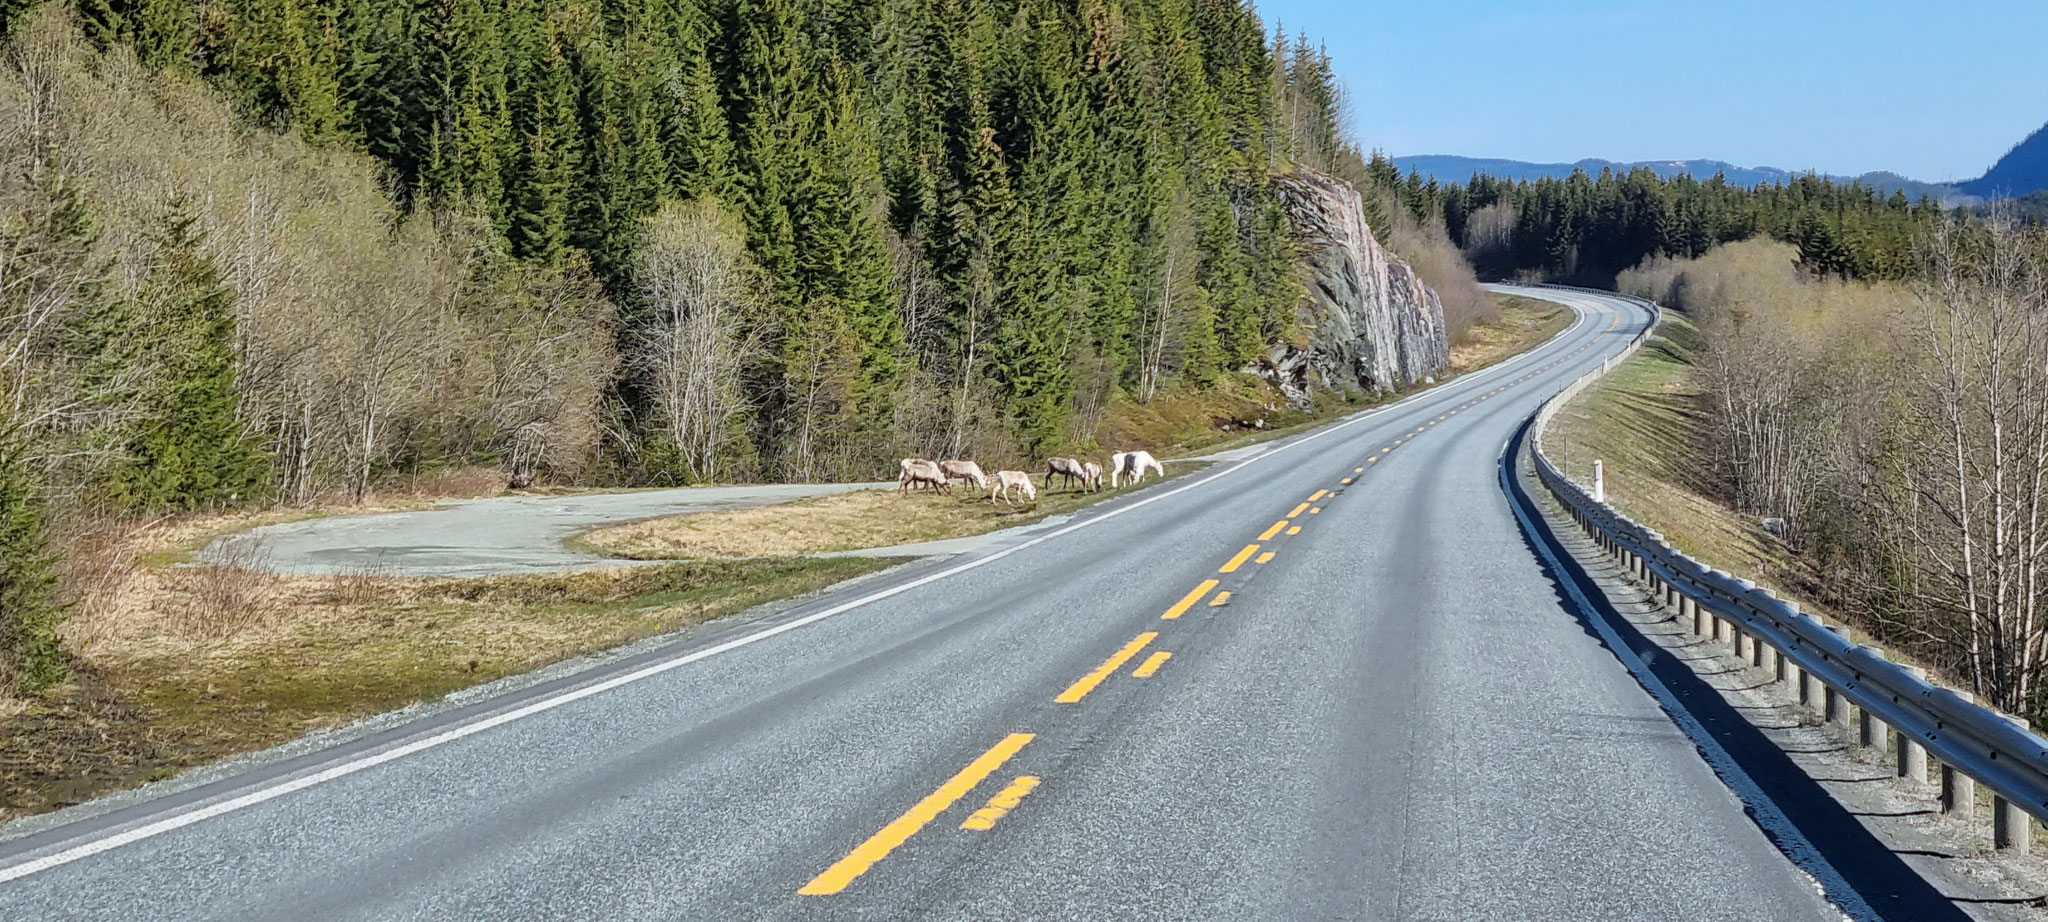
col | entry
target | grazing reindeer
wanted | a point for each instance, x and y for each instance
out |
(1094, 474)
(1132, 465)
(965, 470)
(920, 472)
(1064, 467)
(1008, 481)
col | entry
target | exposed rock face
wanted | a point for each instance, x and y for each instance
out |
(1370, 322)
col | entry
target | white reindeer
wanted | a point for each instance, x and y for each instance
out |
(1008, 481)
(1132, 464)
(1093, 475)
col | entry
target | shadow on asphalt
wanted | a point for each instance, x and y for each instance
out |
(1891, 887)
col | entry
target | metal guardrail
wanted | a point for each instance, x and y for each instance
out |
(1989, 747)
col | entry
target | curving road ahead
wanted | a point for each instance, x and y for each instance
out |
(1391, 715)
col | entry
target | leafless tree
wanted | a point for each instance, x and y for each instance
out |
(705, 295)
(1975, 485)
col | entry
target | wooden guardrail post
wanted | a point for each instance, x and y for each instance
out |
(1912, 755)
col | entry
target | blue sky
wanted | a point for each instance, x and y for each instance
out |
(1933, 90)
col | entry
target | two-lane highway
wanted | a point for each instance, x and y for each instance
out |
(1330, 681)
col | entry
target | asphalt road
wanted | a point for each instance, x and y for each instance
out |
(1396, 716)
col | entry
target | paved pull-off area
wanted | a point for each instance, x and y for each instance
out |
(505, 534)
(1331, 680)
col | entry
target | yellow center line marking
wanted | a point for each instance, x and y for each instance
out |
(1265, 556)
(1151, 664)
(1358, 470)
(1346, 481)
(1418, 428)
(1319, 494)
(1221, 599)
(1297, 510)
(1295, 530)
(1239, 560)
(1397, 444)
(1087, 683)
(1371, 459)
(1188, 601)
(1268, 534)
(878, 846)
(1000, 805)
(1386, 448)
(1316, 511)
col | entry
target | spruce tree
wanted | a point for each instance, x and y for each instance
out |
(182, 445)
(30, 647)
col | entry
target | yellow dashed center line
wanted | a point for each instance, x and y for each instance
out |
(1000, 805)
(1318, 510)
(1268, 534)
(1188, 601)
(1346, 481)
(1297, 510)
(1221, 599)
(1087, 683)
(1319, 494)
(1295, 530)
(1241, 557)
(1265, 557)
(1151, 664)
(878, 846)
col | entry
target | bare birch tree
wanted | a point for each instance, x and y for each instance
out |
(704, 296)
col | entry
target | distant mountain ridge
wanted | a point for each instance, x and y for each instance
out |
(2023, 170)
(1451, 168)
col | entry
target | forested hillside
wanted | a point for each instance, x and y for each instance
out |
(261, 251)
(961, 220)
(1586, 228)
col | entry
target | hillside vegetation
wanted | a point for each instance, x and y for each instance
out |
(1895, 432)
(297, 251)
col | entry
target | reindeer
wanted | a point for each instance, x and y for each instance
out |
(1008, 481)
(1094, 475)
(1064, 467)
(965, 470)
(921, 472)
(1132, 464)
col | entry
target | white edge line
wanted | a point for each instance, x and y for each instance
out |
(1791, 842)
(218, 808)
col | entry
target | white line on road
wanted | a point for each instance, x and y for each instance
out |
(1775, 824)
(272, 792)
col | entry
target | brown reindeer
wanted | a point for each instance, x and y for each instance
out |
(1064, 467)
(965, 470)
(919, 472)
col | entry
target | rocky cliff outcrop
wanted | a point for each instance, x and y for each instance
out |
(1368, 322)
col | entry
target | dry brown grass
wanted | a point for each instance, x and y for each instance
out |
(842, 522)
(161, 690)
(1523, 324)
